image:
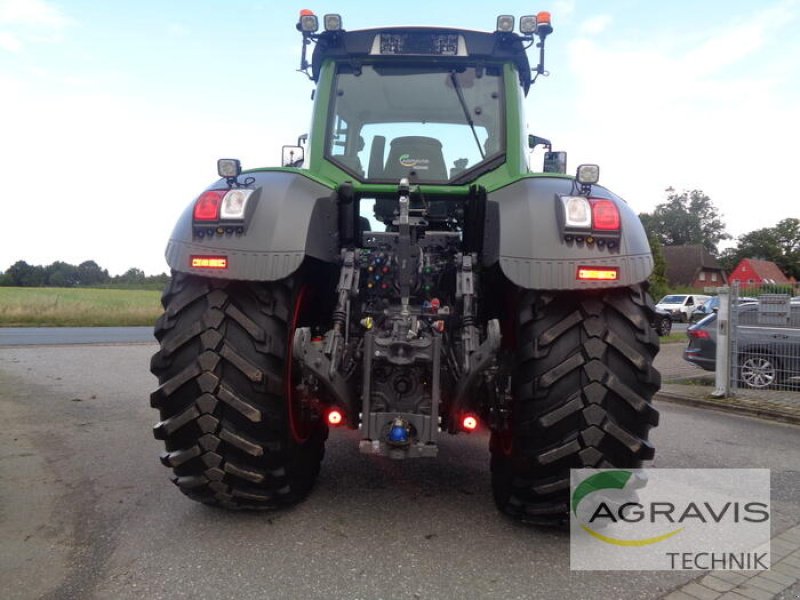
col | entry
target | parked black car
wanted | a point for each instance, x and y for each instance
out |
(766, 354)
(662, 322)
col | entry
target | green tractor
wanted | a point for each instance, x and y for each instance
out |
(407, 275)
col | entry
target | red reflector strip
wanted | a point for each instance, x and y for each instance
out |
(598, 273)
(209, 262)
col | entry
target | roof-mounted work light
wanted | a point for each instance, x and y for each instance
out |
(505, 23)
(332, 22)
(308, 21)
(527, 24)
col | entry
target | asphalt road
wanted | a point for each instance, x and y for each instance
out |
(87, 511)
(34, 336)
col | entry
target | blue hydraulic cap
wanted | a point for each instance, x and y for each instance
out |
(398, 434)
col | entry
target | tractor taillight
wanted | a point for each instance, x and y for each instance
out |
(605, 215)
(207, 206)
(598, 273)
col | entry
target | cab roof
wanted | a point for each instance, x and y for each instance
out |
(420, 44)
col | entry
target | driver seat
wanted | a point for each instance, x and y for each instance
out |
(418, 154)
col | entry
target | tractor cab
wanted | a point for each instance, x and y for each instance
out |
(436, 106)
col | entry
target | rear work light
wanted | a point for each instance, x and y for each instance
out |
(577, 212)
(598, 273)
(308, 21)
(209, 262)
(332, 22)
(505, 23)
(234, 204)
(527, 24)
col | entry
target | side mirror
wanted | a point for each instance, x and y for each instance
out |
(292, 156)
(535, 140)
(555, 162)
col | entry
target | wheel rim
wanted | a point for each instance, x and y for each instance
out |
(299, 423)
(758, 371)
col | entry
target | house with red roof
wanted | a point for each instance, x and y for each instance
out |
(751, 271)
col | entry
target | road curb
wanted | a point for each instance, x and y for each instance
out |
(731, 405)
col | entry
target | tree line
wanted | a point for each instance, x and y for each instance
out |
(86, 274)
(690, 217)
(687, 217)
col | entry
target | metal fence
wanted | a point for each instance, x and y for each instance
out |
(758, 334)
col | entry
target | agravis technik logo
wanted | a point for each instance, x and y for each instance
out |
(612, 480)
(665, 519)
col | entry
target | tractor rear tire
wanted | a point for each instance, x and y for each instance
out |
(582, 386)
(225, 394)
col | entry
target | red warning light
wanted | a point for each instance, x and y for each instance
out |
(469, 423)
(335, 418)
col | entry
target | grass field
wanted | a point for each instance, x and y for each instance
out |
(73, 307)
(679, 337)
(82, 307)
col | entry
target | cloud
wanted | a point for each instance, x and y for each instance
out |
(120, 169)
(36, 13)
(691, 111)
(29, 21)
(10, 42)
(736, 41)
(563, 9)
(595, 25)
(177, 30)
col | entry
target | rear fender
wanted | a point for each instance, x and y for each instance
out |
(524, 235)
(293, 217)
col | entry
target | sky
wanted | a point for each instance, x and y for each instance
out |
(113, 114)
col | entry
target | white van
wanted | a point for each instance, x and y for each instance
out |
(681, 306)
